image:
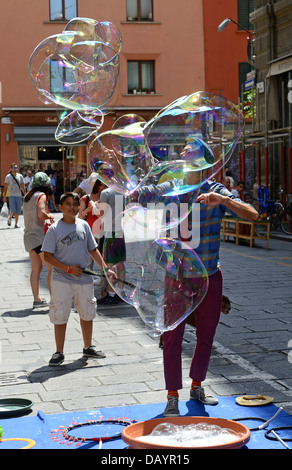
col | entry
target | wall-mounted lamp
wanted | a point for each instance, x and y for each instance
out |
(250, 50)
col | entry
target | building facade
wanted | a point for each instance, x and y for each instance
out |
(272, 131)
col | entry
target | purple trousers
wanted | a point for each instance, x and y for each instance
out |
(207, 318)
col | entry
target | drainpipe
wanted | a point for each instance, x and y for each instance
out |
(290, 138)
(266, 136)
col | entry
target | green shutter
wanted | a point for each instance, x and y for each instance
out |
(244, 8)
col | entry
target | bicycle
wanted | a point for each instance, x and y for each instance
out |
(286, 217)
(275, 212)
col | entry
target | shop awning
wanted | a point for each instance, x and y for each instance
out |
(35, 134)
(44, 135)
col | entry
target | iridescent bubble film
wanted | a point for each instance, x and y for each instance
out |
(77, 126)
(157, 167)
(162, 278)
(138, 239)
(197, 132)
(173, 283)
(119, 155)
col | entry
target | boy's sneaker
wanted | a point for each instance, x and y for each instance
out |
(56, 359)
(40, 303)
(93, 352)
(171, 409)
(199, 394)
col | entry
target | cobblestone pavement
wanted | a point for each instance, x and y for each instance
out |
(252, 348)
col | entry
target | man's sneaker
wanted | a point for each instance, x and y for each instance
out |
(8, 221)
(171, 409)
(113, 300)
(199, 394)
(93, 352)
(109, 300)
(103, 300)
(40, 303)
(56, 359)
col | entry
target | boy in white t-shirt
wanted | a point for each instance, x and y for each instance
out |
(68, 246)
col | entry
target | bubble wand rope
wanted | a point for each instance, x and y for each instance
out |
(94, 273)
(127, 283)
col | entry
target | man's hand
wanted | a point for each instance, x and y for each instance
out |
(211, 199)
(111, 275)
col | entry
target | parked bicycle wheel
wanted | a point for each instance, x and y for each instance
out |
(273, 216)
(261, 230)
(286, 222)
(276, 216)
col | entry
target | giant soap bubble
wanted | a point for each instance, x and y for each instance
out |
(119, 156)
(174, 282)
(76, 126)
(162, 278)
(187, 142)
(197, 132)
(78, 68)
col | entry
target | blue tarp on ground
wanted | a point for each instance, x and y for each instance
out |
(39, 428)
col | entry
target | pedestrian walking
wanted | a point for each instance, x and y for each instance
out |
(14, 183)
(35, 214)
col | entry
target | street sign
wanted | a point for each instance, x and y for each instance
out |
(249, 84)
(260, 87)
(250, 75)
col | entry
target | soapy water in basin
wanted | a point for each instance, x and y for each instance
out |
(192, 435)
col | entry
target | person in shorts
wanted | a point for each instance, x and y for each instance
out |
(36, 217)
(68, 247)
(14, 183)
(112, 243)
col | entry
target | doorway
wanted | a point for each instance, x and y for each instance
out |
(67, 164)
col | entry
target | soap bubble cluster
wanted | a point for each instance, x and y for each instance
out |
(184, 145)
(187, 142)
(78, 69)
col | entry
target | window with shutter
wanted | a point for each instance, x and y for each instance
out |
(244, 8)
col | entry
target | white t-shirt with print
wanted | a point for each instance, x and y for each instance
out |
(70, 244)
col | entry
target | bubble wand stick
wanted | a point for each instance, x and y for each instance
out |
(94, 273)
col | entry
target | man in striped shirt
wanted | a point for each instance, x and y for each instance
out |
(214, 199)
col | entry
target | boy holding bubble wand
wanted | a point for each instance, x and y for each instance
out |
(68, 245)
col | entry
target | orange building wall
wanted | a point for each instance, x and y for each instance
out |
(175, 40)
(223, 50)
